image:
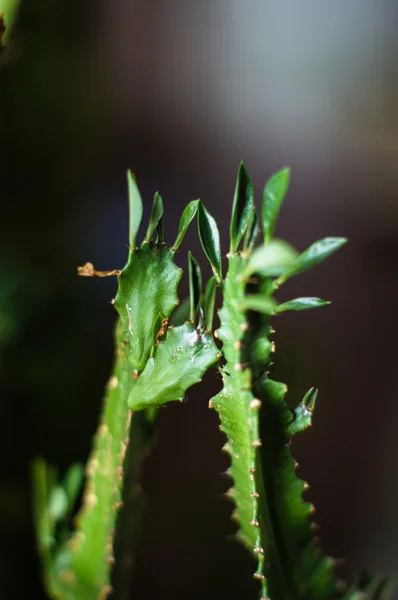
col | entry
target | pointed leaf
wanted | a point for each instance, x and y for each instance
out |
(187, 216)
(242, 207)
(274, 193)
(135, 206)
(270, 259)
(195, 285)
(301, 304)
(210, 239)
(156, 215)
(315, 254)
(209, 303)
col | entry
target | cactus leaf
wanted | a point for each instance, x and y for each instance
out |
(315, 254)
(274, 193)
(187, 216)
(149, 273)
(242, 208)
(179, 362)
(209, 303)
(195, 285)
(210, 239)
(135, 208)
(155, 216)
(301, 304)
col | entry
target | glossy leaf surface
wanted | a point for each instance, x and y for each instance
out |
(315, 254)
(209, 303)
(187, 216)
(210, 239)
(147, 288)
(135, 208)
(195, 285)
(274, 193)
(242, 208)
(155, 216)
(301, 304)
(179, 362)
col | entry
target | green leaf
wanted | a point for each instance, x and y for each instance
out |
(135, 206)
(242, 208)
(195, 285)
(58, 503)
(179, 362)
(209, 303)
(315, 254)
(301, 304)
(187, 216)
(274, 193)
(72, 482)
(259, 303)
(210, 239)
(271, 259)
(156, 215)
(147, 288)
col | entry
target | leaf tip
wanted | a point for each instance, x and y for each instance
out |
(135, 207)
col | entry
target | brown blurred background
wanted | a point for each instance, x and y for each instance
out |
(180, 92)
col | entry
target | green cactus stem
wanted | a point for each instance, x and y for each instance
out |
(273, 518)
(155, 363)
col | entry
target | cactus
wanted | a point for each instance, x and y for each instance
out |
(162, 349)
(155, 363)
(274, 520)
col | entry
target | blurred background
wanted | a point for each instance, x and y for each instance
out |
(180, 92)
